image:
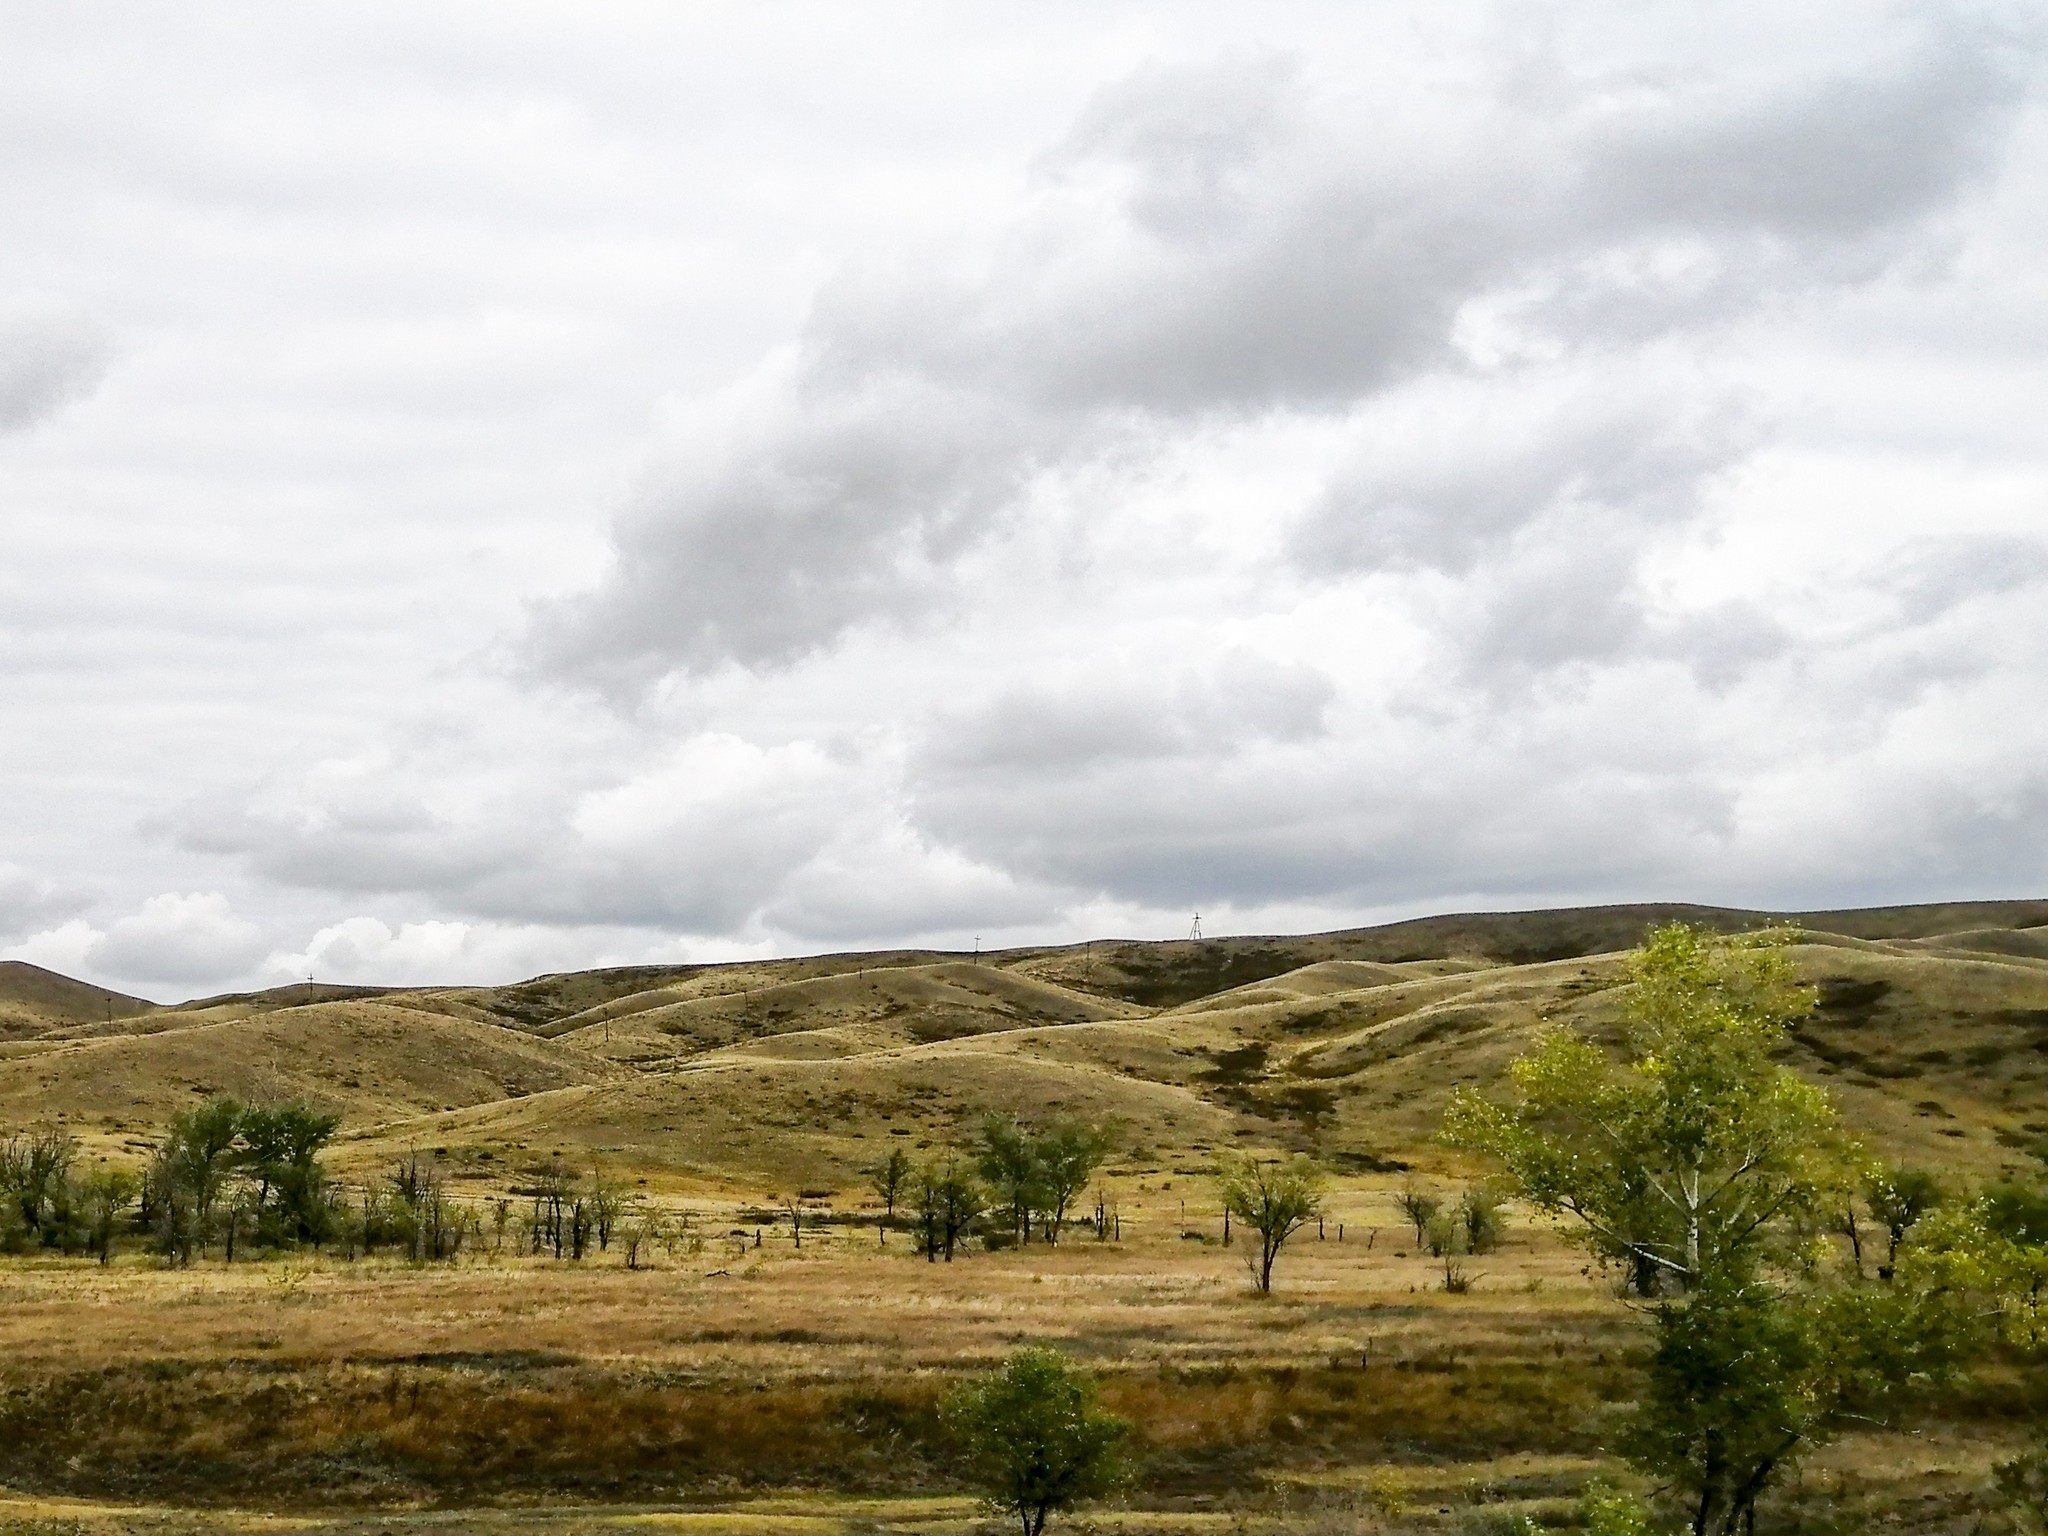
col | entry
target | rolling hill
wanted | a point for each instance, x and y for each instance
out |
(34, 1001)
(1931, 1031)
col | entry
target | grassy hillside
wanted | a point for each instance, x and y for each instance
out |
(372, 1063)
(1932, 1031)
(34, 1001)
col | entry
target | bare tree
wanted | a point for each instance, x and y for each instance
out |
(553, 1189)
(606, 1202)
(888, 1180)
(1418, 1204)
(794, 1205)
(640, 1230)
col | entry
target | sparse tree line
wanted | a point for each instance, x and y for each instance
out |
(233, 1180)
(1793, 1284)
(237, 1180)
(47, 1203)
(225, 1174)
(1011, 1183)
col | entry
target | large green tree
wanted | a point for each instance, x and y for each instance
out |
(1699, 1163)
(280, 1149)
(1678, 1157)
(1748, 1374)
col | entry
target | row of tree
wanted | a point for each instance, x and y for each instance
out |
(1011, 1181)
(235, 1178)
(46, 1202)
(239, 1174)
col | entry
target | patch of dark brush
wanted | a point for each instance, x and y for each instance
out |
(1367, 1162)
(1850, 1000)
(1451, 1022)
(1181, 975)
(502, 1361)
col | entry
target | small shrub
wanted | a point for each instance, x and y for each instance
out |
(1479, 1214)
(1610, 1512)
(1035, 1438)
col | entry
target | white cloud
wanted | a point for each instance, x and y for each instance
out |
(366, 949)
(1237, 239)
(67, 948)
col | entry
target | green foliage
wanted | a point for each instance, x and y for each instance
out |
(1274, 1199)
(1497, 1522)
(1678, 1159)
(1035, 1439)
(1898, 1198)
(35, 1189)
(1009, 1162)
(1418, 1205)
(280, 1148)
(1994, 1250)
(1607, 1511)
(417, 1217)
(1038, 1174)
(1472, 1226)
(1747, 1375)
(1479, 1219)
(104, 1197)
(2022, 1485)
(1700, 1163)
(1444, 1237)
(1068, 1153)
(226, 1170)
(2017, 1213)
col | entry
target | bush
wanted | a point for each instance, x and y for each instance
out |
(1479, 1214)
(1610, 1512)
(1035, 1439)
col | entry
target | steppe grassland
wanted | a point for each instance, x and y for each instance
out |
(296, 1382)
(1358, 1350)
(844, 1306)
(1359, 1393)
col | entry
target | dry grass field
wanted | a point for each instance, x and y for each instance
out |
(731, 1384)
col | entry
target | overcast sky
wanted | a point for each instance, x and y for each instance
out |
(493, 488)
